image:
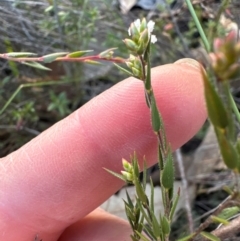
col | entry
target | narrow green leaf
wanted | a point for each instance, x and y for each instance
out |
(168, 172)
(157, 229)
(107, 53)
(186, 238)
(229, 153)
(144, 238)
(173, 208)
(137, 216)
(20, 54)
(160, 158)
(135, 165)
(144, 173)
(129, 213)
(148, 230)
(229, 212)
(210, 236)
(140, 192)
(155, 116)
(152, 196)
(115, 174)
(129, 201)
(124, 70)
(216, 109)
(147, 218)
(89, 61)
(165, 225)
(36, 65)
(148, 84)
(78, 54)
(147, 52)
(219, 220)
(238, 151)
(51, 57)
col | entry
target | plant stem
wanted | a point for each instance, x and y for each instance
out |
(218, 210)
(198, 25)
(25, 86)
(235, 108)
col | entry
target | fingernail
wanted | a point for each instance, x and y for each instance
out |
(188, 61)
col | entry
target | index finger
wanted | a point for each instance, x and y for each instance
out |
(58, 177)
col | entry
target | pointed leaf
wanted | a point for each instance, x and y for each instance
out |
(20, 54)
(78, 54)
(124, 70)
(36, 65)
(155, 116)
(160, 158)
(210, 236)
(143, 238)
(168, 172)
(130, 214)
(148, 84)
(152, 196)
(144, 212)
(216, 109)
(157, 229)
(229, 153)
(51, 57)
(115, 174)
(144, 173)
(140, 192)
(107, 53)
(186, 238)
(89, 61)
(219, 220)
(173, 208)
(135, 165)
(129, 200)
(238, 151)
(229, 212)
(165, 225)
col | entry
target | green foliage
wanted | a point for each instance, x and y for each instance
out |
(75, 26)
(25, 112)
(59, 103)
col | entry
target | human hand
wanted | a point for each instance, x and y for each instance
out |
(53, 185)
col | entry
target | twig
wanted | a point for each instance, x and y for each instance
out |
(217, 211)
(226, 232)
(185, 189)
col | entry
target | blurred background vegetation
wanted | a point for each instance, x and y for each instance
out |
(48, 26)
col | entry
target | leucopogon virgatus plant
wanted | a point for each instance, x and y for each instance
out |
(145, 222)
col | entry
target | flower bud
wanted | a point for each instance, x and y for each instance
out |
(136, 72)
(144, 37)
(134, 30)
(143, 25)
(131, 45)
(128, 176)
(126, 165)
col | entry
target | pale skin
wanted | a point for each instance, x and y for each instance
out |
(53, 185)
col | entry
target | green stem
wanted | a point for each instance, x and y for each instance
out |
(27, 85)
(198, 25)
(235, 108)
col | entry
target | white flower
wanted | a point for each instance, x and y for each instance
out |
(153, 39)
(150, 26)
(137, 24)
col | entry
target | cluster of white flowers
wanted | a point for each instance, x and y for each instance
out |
(150, 26)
